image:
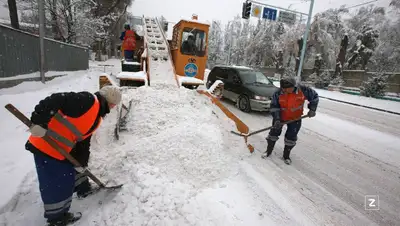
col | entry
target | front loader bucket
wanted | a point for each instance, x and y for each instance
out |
(241, 127)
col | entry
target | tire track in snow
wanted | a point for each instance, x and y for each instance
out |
(380, 121)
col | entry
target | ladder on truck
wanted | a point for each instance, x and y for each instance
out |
(161, 68)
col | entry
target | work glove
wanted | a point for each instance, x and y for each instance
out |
(278, 124)
(311, 113)
(37, 131)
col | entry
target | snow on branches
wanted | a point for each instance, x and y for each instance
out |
(77, 21)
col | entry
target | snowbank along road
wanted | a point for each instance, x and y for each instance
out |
(343, 155)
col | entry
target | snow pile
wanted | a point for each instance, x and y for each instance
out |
(178, 161)
(177, 145)
(178, 131)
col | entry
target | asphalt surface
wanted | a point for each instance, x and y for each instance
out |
(343, 155)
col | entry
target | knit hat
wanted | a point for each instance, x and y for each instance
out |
(112, 94)
(288, 82)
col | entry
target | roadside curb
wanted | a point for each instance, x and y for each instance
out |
(359, 105)
(379, 98)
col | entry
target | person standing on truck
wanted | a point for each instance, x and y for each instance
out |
(286, 105)
(128, 38)
(69, 119)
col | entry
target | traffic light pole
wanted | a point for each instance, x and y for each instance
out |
(303, 50)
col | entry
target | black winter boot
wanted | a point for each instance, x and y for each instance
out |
(66, 219)
(286, 154)
(270, 148)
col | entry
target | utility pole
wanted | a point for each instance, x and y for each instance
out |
(303, 50)
(41, 39)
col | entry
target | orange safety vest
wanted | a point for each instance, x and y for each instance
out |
(66, 131)
(291, 105)
(129, 40)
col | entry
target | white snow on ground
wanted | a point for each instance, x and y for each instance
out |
(387, 144)
(338, 160)
(367, 101)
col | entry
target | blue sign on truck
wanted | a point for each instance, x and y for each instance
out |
(269, 14)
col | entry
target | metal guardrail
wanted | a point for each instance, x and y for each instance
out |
(19, 54)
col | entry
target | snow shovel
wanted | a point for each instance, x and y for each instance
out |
(13, 110)
(268, 128)
(121, 119)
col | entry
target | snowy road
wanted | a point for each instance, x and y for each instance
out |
(343, 154)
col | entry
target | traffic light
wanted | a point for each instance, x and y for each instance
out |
(246, 10)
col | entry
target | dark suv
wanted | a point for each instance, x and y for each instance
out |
(248, 88)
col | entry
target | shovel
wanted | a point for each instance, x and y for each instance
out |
(13, 110)
(268, 128)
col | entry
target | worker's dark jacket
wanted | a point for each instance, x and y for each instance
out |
(73, 105)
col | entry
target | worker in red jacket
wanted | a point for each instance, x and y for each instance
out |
(70, 120)
(286, 105)
(128, 38)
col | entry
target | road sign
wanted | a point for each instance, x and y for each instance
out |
(269, 13)
(286, 17)
(256, 11)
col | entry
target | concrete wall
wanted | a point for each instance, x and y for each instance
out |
(352, 78)
(20, 53)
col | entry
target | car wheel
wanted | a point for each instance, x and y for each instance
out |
(244, 103)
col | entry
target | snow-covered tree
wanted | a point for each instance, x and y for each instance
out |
(78, 21)
(395, 4)
(387, 54)
(375, 86)
(326, 31)
(215, 45)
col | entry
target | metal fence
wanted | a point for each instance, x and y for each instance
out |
(20, 54)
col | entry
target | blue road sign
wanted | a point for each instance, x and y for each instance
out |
(269, 13)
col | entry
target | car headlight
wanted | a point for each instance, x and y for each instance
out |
(260, 98)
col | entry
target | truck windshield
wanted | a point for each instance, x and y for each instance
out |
(254, 77)
(193, 42)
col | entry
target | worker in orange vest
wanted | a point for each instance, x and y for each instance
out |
(70, 120)
(286, 105)
(128, 38)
